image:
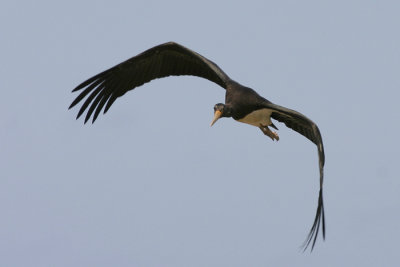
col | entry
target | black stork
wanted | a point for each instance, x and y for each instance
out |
(241, 103)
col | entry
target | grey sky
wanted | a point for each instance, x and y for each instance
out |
(151, 184)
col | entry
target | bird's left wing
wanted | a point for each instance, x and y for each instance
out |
(169, 59)
(306, 127)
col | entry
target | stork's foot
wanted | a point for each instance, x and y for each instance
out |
(273, 135)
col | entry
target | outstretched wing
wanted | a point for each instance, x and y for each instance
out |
(157, 62)
(309, 129)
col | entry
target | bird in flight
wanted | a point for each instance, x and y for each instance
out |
(241, 103)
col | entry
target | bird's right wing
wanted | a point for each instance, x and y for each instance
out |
(157, 62)
(306, 127)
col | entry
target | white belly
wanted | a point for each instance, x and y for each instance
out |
(261, 116)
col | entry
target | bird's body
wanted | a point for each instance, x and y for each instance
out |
(258, 117)
(247, 105)
(241, 103)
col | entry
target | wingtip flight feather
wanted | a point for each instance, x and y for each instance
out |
(319, 219)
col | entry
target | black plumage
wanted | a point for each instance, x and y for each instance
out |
(241, 103)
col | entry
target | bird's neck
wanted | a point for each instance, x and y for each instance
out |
(228, 111)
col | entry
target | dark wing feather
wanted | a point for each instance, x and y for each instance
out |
(160, 61)
(309, 129)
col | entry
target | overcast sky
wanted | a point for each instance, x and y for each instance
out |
(151, 184)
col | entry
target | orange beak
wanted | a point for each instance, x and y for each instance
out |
(217, 115)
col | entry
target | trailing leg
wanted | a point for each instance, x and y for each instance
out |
(268, 132)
